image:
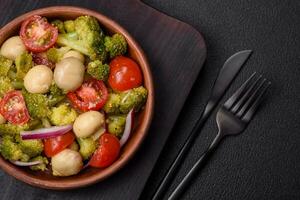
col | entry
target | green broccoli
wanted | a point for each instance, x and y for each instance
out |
(10, 150)
(98, 70)
(115, 45)
(18, 85)
(11, 129)
(42, 166)
(87, 147)
(56, 54)
(23, 64)
(69, 26)
(112, 104)
(5, 85)
(134, 98)
(62, 115)
(5, 65)
(87, 38)
(56, 95)
(30, 147)
(59, 25)
(122, 103)
(37, 105)
(116, 124)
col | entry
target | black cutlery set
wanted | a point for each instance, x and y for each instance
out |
(232, 119)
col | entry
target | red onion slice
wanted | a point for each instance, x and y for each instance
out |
(128, 127)
(26, 164)
(44, 133)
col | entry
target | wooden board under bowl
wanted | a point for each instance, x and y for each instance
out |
(176, 53)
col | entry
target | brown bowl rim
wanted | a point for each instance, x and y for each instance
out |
(19, 174)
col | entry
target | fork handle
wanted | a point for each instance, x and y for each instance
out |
(193, 171)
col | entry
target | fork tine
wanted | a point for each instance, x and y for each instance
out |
(246, 95)
(249, 114)
(250, 98)
(231, 101)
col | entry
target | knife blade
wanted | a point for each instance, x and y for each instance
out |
(225, 77)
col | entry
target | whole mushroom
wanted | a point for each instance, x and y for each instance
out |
(88, 123)
(12, 47)
(69, 74)
(66, 163)
(38, 79)
(74, 54)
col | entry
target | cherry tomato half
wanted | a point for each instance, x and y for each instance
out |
(53, 146)
(37, 34)
(124, 74)
(107, 152)
(13, 108)
(92, 95)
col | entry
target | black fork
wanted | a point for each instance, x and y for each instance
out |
(232, 119)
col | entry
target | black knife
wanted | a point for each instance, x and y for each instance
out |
(226, 75)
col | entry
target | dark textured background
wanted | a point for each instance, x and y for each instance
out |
(263, 162)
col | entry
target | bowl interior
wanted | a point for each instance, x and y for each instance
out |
(90, 175)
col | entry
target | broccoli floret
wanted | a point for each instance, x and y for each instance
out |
(59, 25)
(87, 38)
(42, 166)
(56, 95)
(134, 98)
(87, 147)
(23, 65)
(55, 90)
(30, 147)
(112, 104)
(115, 45)
(98, 70)
(5, 85)
(55, 54)
(10, 129)
(123, 102)
(18, 85)
(62, 115)
(10, 150)
(69, 26)
(5, 65)
(116, 124)
(37, 105)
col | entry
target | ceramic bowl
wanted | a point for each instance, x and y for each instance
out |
(89, 175)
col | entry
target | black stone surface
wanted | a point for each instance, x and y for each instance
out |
(264, 161)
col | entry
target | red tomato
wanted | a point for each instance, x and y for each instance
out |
(107, 152)
(53, 146)
(41, 60)
(91, 95)
(37, 34)
(13, 108)
(124, 74)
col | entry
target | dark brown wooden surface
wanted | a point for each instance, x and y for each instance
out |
(176, 53)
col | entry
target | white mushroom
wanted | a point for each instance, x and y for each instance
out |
(88, 123)
(38, 79)
(74, 54)
(66, 163)
(2, 119)
(69, 73)
(12, 47)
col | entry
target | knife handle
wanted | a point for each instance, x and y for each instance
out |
(176, 194)
(178, 160)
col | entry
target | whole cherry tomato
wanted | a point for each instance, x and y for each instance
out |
(124, 74)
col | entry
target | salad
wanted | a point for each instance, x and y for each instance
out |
(68, 94)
